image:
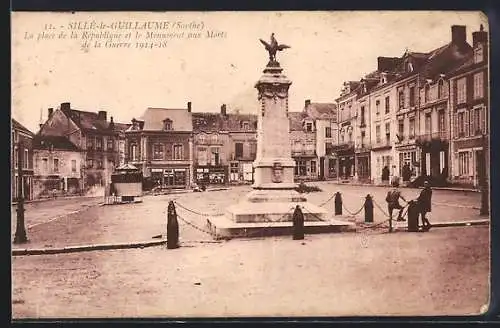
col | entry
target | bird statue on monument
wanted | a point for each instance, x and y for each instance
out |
(273, 47)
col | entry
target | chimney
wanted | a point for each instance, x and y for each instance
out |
(307, 102)
(66, 106)
(189, 107)
(50, 112)
(102, 115)
(458, 35)
(480, 36)
(223, 109)
(111, 123)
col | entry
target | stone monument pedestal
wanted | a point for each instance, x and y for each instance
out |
(268, 209)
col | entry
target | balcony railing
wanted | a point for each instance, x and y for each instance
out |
(303, 152)
(440, 136)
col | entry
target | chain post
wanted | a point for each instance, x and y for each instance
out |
(298, 224)
(368, 209)
(172, 227)
(338, 203)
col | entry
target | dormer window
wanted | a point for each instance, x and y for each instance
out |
(383, 78)
(135, 124)
(409, 67)
(309, 126)
(245, 125)
(167, 124)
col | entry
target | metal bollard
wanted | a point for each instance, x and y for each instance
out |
(338, 203)
(172, 227)
(298, 224)
(368, 209)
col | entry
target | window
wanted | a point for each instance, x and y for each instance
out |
(26, 160)
(387, 133)
(45, 165)
(478, 85)
(56, 165)
(14, 136)
(215, 138)
(202, 156)
(178, 152)
(342, 138)
(309, 127)
(428, 126)
(401, 128)
(440, 89)
(301, 168)
(73, 165)
(412, 96)
(313, 167)
(246, 126)
(111, 144)
(16, 156)
(411, 128)
(461, 90)
(362, 116)
(426, 92)
(98, 143)
(133, 152)
(478, 53)
(461, 124)
(401, 99)
(215, 159)
(167, 124)
(201, 138)
(99, 164)
(350, 136)
(477, 121)
(238, 149)
(377, 106)
(90, 163)
(377, 133)
(328, 148)
(90, 143)
(158, 151)
(463, 163)
(441, 121)
(387, 104)
(362, 139)
(328, 132)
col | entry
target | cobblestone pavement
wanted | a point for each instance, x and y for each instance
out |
(42, 212)
(142, 221)
(441, 272)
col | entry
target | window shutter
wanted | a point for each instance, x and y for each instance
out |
(466, 123)
(484, 128)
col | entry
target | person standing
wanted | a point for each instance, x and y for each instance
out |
(424, 203)
(392, 200)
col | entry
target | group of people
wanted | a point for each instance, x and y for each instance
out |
(423, 202)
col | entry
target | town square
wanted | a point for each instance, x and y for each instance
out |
(369, 201)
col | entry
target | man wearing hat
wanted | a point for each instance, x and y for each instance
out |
(424, 203)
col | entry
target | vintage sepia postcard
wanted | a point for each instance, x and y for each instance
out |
(250, 164)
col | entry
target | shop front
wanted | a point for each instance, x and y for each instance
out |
(212, 175)
(346, 163)
(363, 166)
(170, 178)
(409, 162)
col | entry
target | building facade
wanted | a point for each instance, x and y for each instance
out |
(21, 145)
(303, 134)
(469, 103)
(57, 167)
(94, 135)
(321, 118)
(160, 144)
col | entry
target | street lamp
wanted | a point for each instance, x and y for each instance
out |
(20, 236)
(484, 181)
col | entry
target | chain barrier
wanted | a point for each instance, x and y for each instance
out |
(325, 202)
(351, 213)
(196, 212)
(196, 227)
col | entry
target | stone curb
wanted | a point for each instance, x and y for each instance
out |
(401, 186)
(52, 199)
(84, 248)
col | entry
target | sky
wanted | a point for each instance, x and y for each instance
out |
(327, 48)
